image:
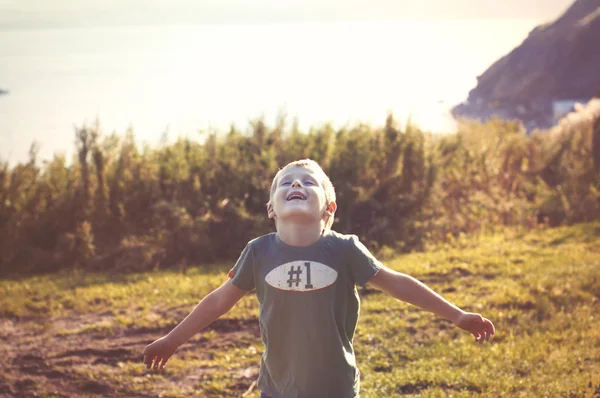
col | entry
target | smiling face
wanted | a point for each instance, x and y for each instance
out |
(299, 196)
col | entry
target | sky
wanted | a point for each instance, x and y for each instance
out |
(143, 63)
(23, 14)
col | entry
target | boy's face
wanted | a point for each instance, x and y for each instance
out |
(299, 196)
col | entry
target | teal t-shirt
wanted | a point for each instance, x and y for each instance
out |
(309, 309)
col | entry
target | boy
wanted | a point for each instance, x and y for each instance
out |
(305, 277)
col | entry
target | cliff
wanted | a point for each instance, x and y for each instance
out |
(556, 66)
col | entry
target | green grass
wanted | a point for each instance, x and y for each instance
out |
(540, 288)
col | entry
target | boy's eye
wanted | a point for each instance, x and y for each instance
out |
(307, 182)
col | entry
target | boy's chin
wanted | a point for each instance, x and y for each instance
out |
(297, 215)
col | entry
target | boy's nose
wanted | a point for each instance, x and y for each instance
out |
(296, 183)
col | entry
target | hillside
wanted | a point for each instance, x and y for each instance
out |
(555, 66)
(78, 335)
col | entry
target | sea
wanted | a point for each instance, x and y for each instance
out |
(164, 82)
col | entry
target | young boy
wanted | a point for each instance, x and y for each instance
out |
(305, 277)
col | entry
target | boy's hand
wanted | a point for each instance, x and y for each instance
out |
(159, 352)
(481, 327)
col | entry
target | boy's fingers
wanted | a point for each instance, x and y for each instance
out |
(489, 325)
(163, 362)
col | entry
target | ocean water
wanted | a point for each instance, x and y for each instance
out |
(182, 80)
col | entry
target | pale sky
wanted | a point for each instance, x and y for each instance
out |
(143, 63)
(23, 14)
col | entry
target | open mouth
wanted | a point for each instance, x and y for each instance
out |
(296, 196)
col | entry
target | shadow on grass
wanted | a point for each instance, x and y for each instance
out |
(420, 386)
(561, 240)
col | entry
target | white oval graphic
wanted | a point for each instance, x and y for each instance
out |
(301, 276)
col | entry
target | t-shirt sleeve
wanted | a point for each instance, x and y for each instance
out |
(363, 265)
(242, 273)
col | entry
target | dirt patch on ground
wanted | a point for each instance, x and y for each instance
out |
(66, 358)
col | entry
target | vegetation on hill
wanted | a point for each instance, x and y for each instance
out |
(120, 207)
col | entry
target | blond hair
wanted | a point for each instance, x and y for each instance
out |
(325, 181)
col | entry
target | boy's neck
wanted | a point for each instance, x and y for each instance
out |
(300, 234)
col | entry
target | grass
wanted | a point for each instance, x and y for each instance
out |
(540, 288)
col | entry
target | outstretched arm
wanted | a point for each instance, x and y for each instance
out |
(217, 303)
(406, 288)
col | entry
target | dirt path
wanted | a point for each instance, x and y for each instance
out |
(39, 359)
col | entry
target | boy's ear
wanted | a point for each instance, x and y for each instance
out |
(331, 208)
(270, 211)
